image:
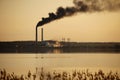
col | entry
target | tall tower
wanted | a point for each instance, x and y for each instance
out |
(36, 35)
(42, 36)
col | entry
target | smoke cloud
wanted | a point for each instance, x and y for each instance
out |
(82, 6)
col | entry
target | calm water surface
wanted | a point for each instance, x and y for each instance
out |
(22, 63)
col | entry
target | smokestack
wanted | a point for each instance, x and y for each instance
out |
(42, 34)
(36, 39)
(36, 36)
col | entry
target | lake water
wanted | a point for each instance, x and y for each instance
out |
(22, 63)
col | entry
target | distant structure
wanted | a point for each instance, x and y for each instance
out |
(51, 43)
(48, 43)
(42, 36)
(63, 39)
(68, 39)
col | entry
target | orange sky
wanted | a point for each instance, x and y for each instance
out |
(19, 18)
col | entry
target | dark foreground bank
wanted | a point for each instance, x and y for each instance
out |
(58, 47)
(63, 75)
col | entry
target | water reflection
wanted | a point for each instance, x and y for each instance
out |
(56, 50)
(21, 63)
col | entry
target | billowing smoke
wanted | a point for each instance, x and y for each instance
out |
(82, 6)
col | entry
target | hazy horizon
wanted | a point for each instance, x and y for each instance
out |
(19, 19)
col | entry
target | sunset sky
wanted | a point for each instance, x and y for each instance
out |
(18, 19)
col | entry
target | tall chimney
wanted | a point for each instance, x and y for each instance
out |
(36, 39)
(36, 36)
(42, 34)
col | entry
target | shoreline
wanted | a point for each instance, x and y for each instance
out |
(67, 47)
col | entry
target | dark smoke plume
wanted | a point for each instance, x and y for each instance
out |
(82, 6)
